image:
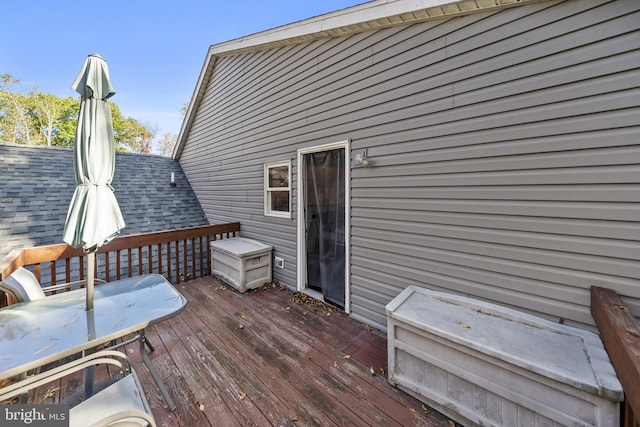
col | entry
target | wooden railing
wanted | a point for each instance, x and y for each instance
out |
(179, 255)
(620, 333)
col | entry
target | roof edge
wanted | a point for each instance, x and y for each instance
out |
(363, 17)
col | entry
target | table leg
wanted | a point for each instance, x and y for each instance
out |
(147, 361)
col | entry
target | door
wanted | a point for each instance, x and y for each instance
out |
(323, 202)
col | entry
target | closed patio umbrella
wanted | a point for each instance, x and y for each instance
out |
(94, 217)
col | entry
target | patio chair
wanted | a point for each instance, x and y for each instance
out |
(22, 285)
(122, 403)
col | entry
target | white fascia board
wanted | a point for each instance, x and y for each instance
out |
(374, 14)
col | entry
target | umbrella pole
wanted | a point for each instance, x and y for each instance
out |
(91, 267)
(90, 371)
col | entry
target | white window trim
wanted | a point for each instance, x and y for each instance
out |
(267, 189)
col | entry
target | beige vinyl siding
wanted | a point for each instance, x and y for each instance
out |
(505, 152)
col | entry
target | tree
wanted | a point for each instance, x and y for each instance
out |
(34, 117)
(38, 118)
(67, 122)
(166, 144)
(44, 109)
(129, 134)
(147, 133)
(15, 124)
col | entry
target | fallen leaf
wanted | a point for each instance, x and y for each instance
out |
(328, 314)
(288, 308)
(464, 325)
(335, 364)
(425, 409)
(242, 395)
(414, 413)
(201, 407)
(452, 424)
(373, 371)
(241, 326)
(49, 393)
(368, 327)
(243, 316)
(130, 351)
(382, 371)
(346, 357)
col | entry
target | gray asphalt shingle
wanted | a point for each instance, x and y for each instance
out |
(36, 185)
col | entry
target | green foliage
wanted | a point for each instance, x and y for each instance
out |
(53, 117)
(68, 121)
(15, 124)
(129, 134)
(37, 118)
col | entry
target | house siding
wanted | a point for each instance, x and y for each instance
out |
(504, 149)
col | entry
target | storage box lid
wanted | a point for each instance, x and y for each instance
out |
(240, 246)
(566, 354)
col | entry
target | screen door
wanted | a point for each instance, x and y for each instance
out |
(324, 211)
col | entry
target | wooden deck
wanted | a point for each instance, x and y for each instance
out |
(272, 357)
(269, 357)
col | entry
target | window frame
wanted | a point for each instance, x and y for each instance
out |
(268, 191)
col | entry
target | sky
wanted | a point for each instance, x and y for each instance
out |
(154, 49)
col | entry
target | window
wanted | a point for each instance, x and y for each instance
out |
(277, 186)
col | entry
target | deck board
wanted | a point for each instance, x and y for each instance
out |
(256, 378)
(269, 357)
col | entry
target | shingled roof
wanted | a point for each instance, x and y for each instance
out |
(36, 185)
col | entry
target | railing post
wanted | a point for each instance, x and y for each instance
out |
(620, 333)
(177, 258)
(160, 258)
(169, 262)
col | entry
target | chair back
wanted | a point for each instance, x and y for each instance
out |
(22, 285)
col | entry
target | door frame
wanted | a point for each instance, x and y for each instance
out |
(301, 244)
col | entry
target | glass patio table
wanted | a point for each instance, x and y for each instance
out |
(36, 333)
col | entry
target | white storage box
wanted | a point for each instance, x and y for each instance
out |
(243, 263)
(482, 364)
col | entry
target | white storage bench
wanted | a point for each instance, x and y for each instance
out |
(482, 364)
(243, 263)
